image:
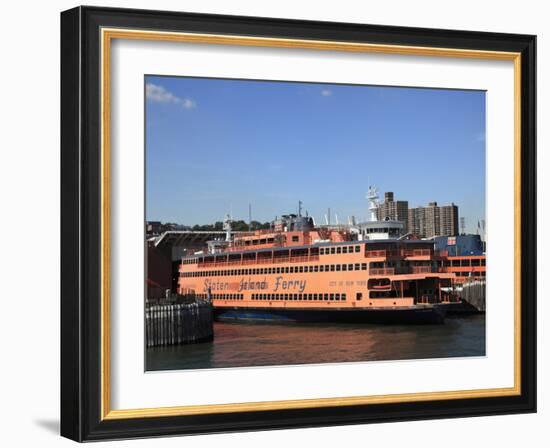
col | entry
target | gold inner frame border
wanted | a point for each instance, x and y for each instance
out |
(107, 35)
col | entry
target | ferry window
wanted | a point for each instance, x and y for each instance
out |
(332, 267)
(350, 267)
(311, 269)
(338, 250)
(332, 297)
(301, 269)
(278, 270)
(483, 262)
(363, 266)
(287, 270)
(291, 269)
(321, 268)
(357, 248)
(343, 296)
(332, 250)
(315, 268)
(314, 296)
(359, 296)
(337, 267)
(344, 250)
(327, 268)
(286, 296)
(344, 267)
(299, 296)
(475, 262)
(337, 297)
(322, 251)
(295, 239)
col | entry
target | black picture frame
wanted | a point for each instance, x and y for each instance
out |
(81, 224)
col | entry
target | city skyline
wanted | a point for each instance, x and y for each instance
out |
(215, 146)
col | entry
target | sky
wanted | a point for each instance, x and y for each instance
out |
(214, 146)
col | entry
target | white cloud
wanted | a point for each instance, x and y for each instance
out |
(159, 94)
(326, 92)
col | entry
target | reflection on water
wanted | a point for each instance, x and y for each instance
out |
(259, 344)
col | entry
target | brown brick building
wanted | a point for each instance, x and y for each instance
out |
(393, 210)
(433, 220)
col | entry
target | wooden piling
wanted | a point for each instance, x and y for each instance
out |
(181, 323)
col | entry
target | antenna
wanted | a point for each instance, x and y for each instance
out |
(462, 225)
(299, 208)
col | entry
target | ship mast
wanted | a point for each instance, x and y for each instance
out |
(372, 196)
(227, 227)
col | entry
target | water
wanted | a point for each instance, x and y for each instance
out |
(261, 344)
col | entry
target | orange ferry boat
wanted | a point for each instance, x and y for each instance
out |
(298, 272)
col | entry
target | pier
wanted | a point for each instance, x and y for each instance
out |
(179, 323)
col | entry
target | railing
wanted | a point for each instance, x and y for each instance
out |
(427, 299)
(381, 253)
(463, 269)
(256, 261)
(417, 253)
(421, 269)
(382, 271)
(398, 253)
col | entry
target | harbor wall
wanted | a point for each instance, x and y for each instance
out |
(181, 323)
(473, 293)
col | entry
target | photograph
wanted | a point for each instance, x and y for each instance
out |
(290, 223)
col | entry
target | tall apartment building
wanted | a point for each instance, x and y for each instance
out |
(394, 210)
(448, 216)
(433, 220)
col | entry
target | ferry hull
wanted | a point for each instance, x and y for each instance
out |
(399, 315)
